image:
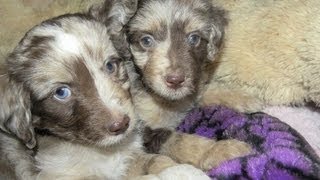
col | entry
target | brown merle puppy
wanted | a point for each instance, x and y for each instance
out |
(65, 89)
(173, 42)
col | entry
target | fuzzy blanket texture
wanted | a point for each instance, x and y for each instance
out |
(280, 152)
(304, 119)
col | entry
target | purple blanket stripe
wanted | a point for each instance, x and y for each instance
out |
(279, 151)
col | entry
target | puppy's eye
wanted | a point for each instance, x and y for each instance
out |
(62, 93)
(112, 66)
(194, 39)
(147, 41)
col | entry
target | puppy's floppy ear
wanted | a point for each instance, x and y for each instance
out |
(217, 29)
(15, 111)
(114, 13)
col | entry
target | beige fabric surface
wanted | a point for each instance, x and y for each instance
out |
(18, 16)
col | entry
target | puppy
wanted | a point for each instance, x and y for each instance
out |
(173, 42)
(65, 90)
(270, 57)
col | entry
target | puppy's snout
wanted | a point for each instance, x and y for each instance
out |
(175, 80)
(119, 126)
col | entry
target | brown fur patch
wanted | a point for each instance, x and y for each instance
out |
(83, 118)
(38, 47)
(154, 138)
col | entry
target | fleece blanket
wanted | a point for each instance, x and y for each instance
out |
(304, 119)
(279, 151)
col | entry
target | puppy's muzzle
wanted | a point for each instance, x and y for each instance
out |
(119, 126)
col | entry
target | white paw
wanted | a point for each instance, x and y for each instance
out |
(183, 172)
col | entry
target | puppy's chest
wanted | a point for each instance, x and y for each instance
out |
(161, 116)
(81, 162)
(78, 166)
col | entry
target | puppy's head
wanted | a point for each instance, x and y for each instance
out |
(66, 74)
(172, 40)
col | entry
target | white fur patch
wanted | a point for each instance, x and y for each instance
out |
(183, 171)
(57, 158)
(68, 42)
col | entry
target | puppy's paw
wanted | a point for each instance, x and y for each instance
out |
(183, 172)
(222, 151)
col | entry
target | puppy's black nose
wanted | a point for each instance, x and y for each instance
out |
(175, 80)
(119, 126)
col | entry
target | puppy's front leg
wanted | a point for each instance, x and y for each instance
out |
(159, 167)
(145, 163)
(192, 149)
